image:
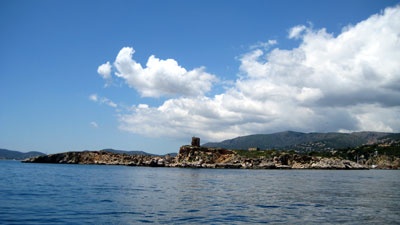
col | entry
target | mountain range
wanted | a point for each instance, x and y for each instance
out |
(303, 142)
(10, 154)
(288, 140)
(134, 152)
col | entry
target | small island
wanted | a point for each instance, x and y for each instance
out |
(196, 156)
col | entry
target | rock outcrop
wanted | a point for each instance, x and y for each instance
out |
(201, 157)
(382, 162)
(102, 158)
(194, 156)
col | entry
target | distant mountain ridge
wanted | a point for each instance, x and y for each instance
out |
(125, 152)
(302, 142)
(11, 154)
(134, 152)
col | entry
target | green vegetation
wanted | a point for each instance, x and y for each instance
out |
(300, 142)
(326, 154)
(262, 153)
(395, 136)
(363, 152)
(368, 151)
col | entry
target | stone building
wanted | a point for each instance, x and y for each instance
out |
(196, 141)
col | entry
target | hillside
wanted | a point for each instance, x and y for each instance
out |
(173, 154)
(125, 152)
(302, 142)
(9, 154)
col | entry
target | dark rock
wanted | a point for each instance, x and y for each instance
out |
(201, 157)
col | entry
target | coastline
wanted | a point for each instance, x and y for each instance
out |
(201, 157)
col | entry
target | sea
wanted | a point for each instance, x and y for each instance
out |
(105, 194)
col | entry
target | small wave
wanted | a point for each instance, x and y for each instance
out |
(268, 206)
(117, 213)
(145, 221)
(192, 210)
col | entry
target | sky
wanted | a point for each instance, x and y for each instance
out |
(149, 75)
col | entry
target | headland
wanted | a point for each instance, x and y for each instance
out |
(196, 156)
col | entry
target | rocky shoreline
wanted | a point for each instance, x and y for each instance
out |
(201, 157)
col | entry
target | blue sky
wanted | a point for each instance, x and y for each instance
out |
(51, 52)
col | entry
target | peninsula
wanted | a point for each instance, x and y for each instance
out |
(196, 156)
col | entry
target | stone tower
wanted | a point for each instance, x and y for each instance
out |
(196, 141)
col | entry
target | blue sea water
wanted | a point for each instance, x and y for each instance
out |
(95, 194)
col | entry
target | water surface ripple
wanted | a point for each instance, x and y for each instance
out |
(93, 194)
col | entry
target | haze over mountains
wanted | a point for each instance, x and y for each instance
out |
(10, 154)
(303, 142)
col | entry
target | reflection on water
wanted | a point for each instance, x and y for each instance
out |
(50, 193)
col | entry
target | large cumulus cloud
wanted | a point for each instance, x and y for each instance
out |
(159, 77)
(344, 82)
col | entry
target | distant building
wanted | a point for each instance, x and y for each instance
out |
(254, 149)
(196, 141)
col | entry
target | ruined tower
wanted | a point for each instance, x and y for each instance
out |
(196, 141)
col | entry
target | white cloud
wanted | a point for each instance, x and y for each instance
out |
(265, 45)
(272, 42)
(143, 106)
(108, 102)
(161, 77)
(309, 94)
(104, 70)
(296, 31)
(102, 100)
(328, 83)
(93, 97)
(94, 124)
